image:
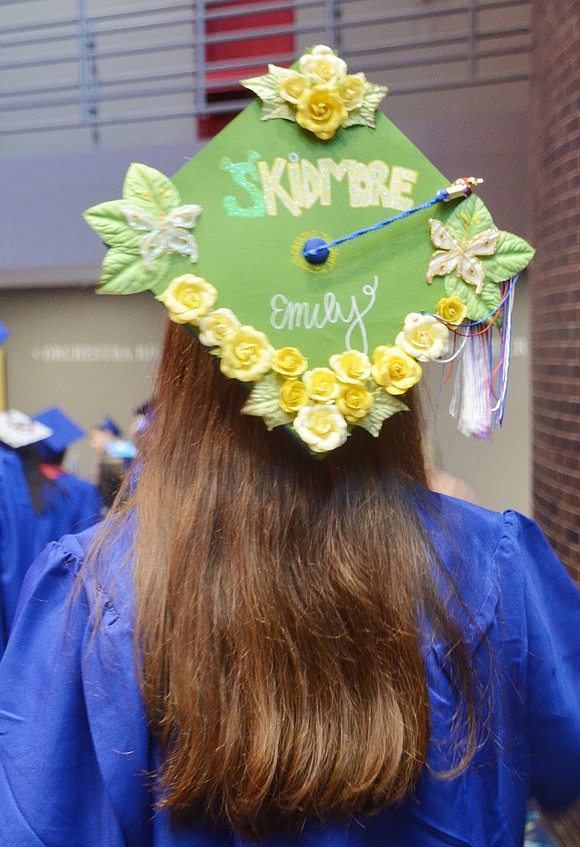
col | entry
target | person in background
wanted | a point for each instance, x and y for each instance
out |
(40, 501)
(103, 433)
(111, 464)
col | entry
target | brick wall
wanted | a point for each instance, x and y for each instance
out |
(555, 274)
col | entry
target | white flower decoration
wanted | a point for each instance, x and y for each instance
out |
(164, 235)
(217, 326)
(423, 337)
(351, 366)
(322, 427)
(322, 65)
(460, 256)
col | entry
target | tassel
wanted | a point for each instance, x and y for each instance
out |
(472, 398)
(474, 402)
(505, 356)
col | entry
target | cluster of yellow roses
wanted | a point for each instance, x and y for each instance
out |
(320, 96)
(323, 92)
(322, 402)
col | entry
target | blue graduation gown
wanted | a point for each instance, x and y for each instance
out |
(75, 749)
(70, 505)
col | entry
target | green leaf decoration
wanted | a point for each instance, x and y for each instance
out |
(469, 217)
(384, 405)
(263, 86)
(111, 224)
(478, 306)
(365, 115)
(267, 86)
(151, 190)
(124, 273)
(511, 256)
(278, 74)
(491, 296)
(264, 402)
(357, 118)
(277, 109)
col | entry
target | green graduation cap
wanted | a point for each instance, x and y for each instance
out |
(319, 254)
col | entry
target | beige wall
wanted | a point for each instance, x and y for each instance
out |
(89, 354)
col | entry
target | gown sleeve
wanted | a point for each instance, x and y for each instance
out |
(552, 626)
(88, 506)
(51, 789)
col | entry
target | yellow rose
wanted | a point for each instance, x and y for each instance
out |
(351, 366)
(351, 90)
(423, 337)
(354, 402)
(292, 87)
(321, 110)
(451, 309)
(246, 354)
(293, 395)
(321, 384)
(322, 427)
(395, 370)
(323, 64)
(217, 326)
(188, 298)
(289, 362)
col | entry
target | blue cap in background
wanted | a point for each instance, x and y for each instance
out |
(4, 333)
(64, 432)
(109, 425)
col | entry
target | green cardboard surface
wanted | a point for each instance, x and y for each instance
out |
(265, 187)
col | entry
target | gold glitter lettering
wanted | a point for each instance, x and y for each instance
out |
(272, 189)
(402, 182)
(328, 168)
(360, 184)
(380, 194)
(311, 184)
(295, 183)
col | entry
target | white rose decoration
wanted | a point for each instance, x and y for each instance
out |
(322, 427)
(322, 65)
(217, 326)
(423, 337)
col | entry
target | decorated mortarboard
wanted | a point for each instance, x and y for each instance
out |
(64, 432)
(19, 430)
(321, 257)
(4, 333)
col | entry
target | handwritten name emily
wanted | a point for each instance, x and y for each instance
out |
(296, 184)
(287, 314)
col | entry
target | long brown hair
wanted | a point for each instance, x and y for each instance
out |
(280, 606)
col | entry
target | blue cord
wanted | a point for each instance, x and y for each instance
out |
(321, 247)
